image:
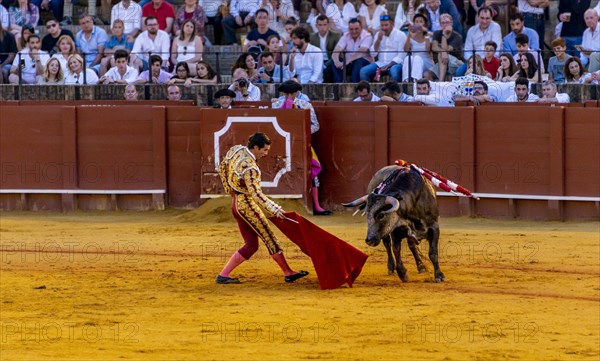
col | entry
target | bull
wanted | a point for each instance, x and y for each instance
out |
(401, 203)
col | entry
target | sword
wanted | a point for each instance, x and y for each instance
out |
(291, 220)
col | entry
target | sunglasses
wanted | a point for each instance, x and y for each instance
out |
(185, 50)
(50, 26)
(384, 18)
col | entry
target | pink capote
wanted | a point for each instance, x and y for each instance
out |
(336, 262)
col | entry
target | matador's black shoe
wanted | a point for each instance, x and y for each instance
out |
(222, 280)
(295, 276)
(323, 213)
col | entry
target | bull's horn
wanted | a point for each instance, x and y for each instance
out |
(394, 202)
(357, 202)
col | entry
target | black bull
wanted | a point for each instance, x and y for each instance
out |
(404, 206)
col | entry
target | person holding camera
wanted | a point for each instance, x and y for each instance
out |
(418, 42)
(271, 72)
(244, 90)
(29, 62)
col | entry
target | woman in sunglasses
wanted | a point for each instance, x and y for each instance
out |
(188, 45)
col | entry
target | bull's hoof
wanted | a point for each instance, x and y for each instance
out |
(391, 271)
(422, 269)
(403, 276)
(439, 277)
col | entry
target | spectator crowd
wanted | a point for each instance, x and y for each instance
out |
(425, 42)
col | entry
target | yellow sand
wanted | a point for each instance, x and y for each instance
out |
(141, 286)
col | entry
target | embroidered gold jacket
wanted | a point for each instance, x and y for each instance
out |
(240, 174)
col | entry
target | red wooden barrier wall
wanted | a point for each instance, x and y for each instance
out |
(529, 162)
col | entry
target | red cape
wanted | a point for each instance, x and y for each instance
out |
(336, 262)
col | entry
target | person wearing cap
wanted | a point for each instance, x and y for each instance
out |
(291, 89)
(224, 98)
(240, 176)
(300, 95)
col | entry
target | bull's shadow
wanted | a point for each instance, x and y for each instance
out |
(401, 203)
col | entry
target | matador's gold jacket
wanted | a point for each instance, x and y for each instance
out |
(240, 175)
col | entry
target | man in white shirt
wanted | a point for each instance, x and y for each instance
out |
(243, 88)
(306, 60)
(121, 73)
(425, 96)
(153, 41)
(522, 94)
(355, 44)
(486, 30)
(590, 44)
(363, 90)
(388, 47)
(31, 61)
(131, 14)
(550, 94)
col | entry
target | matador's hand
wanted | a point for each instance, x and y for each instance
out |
(280, 214)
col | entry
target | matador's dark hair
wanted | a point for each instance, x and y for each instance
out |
(259, 139)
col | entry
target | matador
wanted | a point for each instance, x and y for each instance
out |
(241, 176)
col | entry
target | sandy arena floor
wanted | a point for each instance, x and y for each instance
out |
(98, 286)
